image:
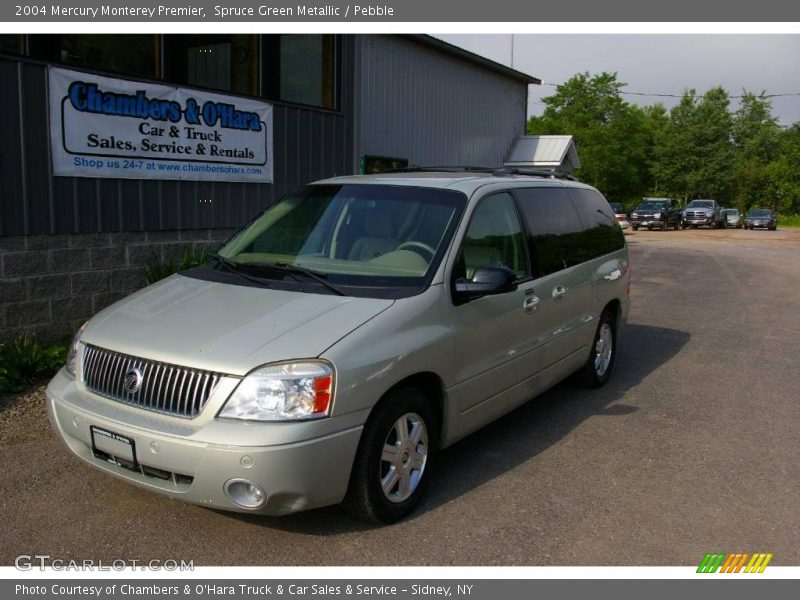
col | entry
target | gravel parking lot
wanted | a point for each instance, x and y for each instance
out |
(692, 447)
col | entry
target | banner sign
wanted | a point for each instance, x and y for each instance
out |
(105, 127)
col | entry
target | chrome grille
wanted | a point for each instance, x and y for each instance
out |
(163, 388)
(695, 214)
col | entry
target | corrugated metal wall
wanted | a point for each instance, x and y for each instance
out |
(309, 145)
(432, 108)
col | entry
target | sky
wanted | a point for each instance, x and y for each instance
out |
(655, 63)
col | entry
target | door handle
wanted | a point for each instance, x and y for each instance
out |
(531, 303)
(559, 292)
(613, 276)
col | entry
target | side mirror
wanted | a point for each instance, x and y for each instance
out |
(487, 281)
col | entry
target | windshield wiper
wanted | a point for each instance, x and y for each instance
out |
(317, 276)
(284, 267)
(233, 267)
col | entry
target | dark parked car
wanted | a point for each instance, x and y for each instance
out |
(656, 214)
(761, 218)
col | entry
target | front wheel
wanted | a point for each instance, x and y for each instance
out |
(393, 460)
(598, 367)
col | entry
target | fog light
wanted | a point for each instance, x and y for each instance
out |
(245, 493)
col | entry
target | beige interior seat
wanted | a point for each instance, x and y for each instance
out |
(379, 238)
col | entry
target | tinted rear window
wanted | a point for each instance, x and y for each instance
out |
(553, 227)
(567, 228)
(601, 234)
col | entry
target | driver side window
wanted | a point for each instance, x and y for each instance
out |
(493, 239)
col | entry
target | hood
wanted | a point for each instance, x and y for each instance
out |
(227, 328)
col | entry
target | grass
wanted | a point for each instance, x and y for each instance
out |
(25, 361)
(158, 268)
(788, 220)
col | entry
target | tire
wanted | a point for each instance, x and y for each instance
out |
(411, 463)
(635, 227)
(597, 370)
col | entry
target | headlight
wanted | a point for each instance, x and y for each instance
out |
(657, 216)
(634, 214)
(72, 355)
(283, 392)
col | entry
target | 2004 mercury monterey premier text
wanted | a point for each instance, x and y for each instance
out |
(343, 336)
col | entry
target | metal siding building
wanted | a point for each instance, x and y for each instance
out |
(309, 144)
(423, 101)
(69, 246)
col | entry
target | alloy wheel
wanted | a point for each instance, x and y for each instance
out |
(603, 349)
(404, 456)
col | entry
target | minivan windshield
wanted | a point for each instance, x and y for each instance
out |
(700, 204)
(350, 235)
(650, 206)
(760, 212)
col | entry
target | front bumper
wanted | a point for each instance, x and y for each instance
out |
(648, 222)
(693, 221)
(176, 462)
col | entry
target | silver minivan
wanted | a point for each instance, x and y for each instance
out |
(344, 336)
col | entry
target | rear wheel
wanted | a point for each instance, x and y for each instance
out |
(600, 363)
(391, 466)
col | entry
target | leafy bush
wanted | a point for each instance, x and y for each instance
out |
(24, 361)
(788, 220)
(158, 268)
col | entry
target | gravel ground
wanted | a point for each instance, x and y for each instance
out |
(23, 418)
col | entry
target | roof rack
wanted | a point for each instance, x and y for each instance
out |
(448, 169)
(499, 172)
(494, 171)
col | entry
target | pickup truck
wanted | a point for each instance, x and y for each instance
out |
(703, 213)
(656, 213)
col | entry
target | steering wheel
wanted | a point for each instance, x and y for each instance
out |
(417, 246)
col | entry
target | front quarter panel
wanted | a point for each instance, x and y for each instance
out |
(411, 337)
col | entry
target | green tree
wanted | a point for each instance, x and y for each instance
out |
(782, 189)
(612, 136)
(695, 157)
(673, 162)
(657, 125)
(755, 134)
